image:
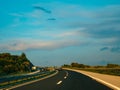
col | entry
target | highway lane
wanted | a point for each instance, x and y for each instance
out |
(65, 80)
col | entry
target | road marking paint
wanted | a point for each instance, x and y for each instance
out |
(65, 77)
(106, 83)
(66, 73)
(33, 81)
(59, 82)
(99, 80)
(102, 81)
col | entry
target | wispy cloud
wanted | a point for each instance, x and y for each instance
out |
(111, 49)
(53, 41)
(16, 23)
(16, 14)
(30, 14)
(109, 12)
(104, 49)
(45, 45)
(51, 19)
(33, 18)
(101, 26)
(73, 33)
(115, 49)
(42, 9)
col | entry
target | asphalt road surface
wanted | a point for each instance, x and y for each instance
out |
(65, 80)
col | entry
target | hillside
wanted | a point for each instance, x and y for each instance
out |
(14, 64)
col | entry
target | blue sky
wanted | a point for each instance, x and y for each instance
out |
(57, 32)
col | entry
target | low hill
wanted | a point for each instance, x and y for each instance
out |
(14, 64)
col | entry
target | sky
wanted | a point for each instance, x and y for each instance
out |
(57, 32)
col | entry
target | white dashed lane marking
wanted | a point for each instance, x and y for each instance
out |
(65, 77)
(66, 73)
(59, 82)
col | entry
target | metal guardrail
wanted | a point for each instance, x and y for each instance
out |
(22, 79)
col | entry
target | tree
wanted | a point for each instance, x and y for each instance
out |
(23, 56)
(14, 63)
(78, 65)
(112, 65)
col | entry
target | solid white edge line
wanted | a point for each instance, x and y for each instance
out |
(102, 81)
(99, 80)
(26, 83)
(106, 83)
(59, 82)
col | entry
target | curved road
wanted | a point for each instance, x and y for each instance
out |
(65, 80)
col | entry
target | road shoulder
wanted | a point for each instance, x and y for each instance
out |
(108, 80)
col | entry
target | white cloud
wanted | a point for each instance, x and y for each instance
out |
(71, 33)
(45, 45)
(57, 40)
(109, 12)
(16, 22)
(16, 14)
(34, 18)
(100, 26)
(33, 14)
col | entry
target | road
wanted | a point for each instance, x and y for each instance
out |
(65, 80)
